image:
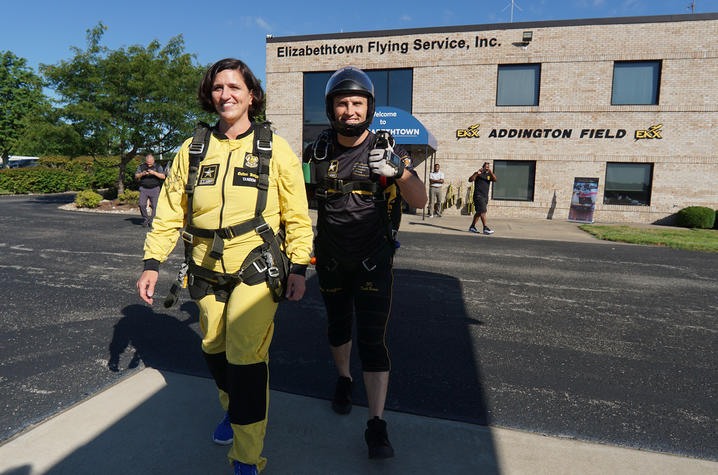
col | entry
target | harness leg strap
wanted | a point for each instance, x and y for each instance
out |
(217, 247)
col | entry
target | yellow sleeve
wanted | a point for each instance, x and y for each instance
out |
(293, 203)
(171, 209)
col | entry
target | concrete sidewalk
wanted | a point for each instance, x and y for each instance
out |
(517, 228)
(161, 422)
(514, 228)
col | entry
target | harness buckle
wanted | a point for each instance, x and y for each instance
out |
(272, 270)
(264, 145)
(260, 267)
(262, 228)
(369, 266)
(196, 148)
(187, 237)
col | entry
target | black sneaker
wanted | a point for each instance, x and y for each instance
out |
(377, 439)
(473, 229)
(342, 402)
(487, 230)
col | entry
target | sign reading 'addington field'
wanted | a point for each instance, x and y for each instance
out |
(388, 46)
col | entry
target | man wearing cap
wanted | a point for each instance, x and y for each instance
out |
(359, 179)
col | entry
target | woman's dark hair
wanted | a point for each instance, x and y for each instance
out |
(204, 92)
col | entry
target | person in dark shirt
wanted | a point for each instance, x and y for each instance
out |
(151, 175)
(481, 179)
(360, 179)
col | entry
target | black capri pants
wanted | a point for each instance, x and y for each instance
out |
(363, 289)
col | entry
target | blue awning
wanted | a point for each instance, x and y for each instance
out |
(405, 128)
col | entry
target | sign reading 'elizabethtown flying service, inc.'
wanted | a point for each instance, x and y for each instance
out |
(386, 47)
(653, 132)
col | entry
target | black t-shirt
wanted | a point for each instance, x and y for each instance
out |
(352, 223)
(482, 184)
(150, 181)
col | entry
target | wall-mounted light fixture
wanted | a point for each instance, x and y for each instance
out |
(527, 37)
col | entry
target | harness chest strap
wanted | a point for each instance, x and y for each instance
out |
(262, 148)
(328, 186)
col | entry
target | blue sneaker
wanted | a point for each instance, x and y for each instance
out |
(223, 434)
(244, 469)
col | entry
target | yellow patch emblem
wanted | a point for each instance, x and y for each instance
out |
(333, 167)
(250, 160)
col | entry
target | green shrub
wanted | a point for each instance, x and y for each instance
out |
(56, 174)
(129, 197)
(88, 199)
(42, 180)
(696, 217)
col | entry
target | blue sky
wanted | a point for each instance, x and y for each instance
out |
(43, 31)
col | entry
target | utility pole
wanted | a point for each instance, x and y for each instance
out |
(692, 6)
(512, 5)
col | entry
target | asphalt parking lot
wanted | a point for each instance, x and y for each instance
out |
(599, 342)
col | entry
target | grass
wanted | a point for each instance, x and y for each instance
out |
(705, 240)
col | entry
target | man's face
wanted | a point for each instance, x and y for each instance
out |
(436, 167)
(149, 160)
(350, 109)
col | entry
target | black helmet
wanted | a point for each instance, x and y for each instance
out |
(349, 80)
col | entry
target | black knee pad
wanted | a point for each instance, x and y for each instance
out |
(247, 392)
(217, 364)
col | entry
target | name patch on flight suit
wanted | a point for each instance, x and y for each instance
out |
(244, 177)
(208, 175)
(360, 170)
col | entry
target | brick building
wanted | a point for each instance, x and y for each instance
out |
(631, 102)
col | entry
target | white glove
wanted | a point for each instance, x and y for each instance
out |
(384, 162)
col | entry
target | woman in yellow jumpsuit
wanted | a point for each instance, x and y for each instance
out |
(237, 321)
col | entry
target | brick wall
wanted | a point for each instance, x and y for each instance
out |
(456, 88)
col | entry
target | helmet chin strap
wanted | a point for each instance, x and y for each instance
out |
(353, 130)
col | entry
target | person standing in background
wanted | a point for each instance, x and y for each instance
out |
(481, 179)
(150, 175)
(436, 188)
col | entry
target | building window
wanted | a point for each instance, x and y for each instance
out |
(518, 85)
(636, 82)
(628, 184)
(392, 87)
(515, 180)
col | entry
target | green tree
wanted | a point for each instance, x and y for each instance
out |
(21, 98)
(48, 134)
(131, 99)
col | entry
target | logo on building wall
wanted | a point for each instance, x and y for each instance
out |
(653, 132)
(471, 132)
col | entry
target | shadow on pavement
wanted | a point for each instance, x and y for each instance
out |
(136, 221)
(435, 369)
(436, 226)
(159, 340)
(435, 373)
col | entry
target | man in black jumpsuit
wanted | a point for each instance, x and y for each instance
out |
(358, 181)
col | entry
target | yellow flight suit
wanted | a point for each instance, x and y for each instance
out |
(241, 327)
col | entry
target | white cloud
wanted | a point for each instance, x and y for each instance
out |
(253, 22)
(262, 24)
